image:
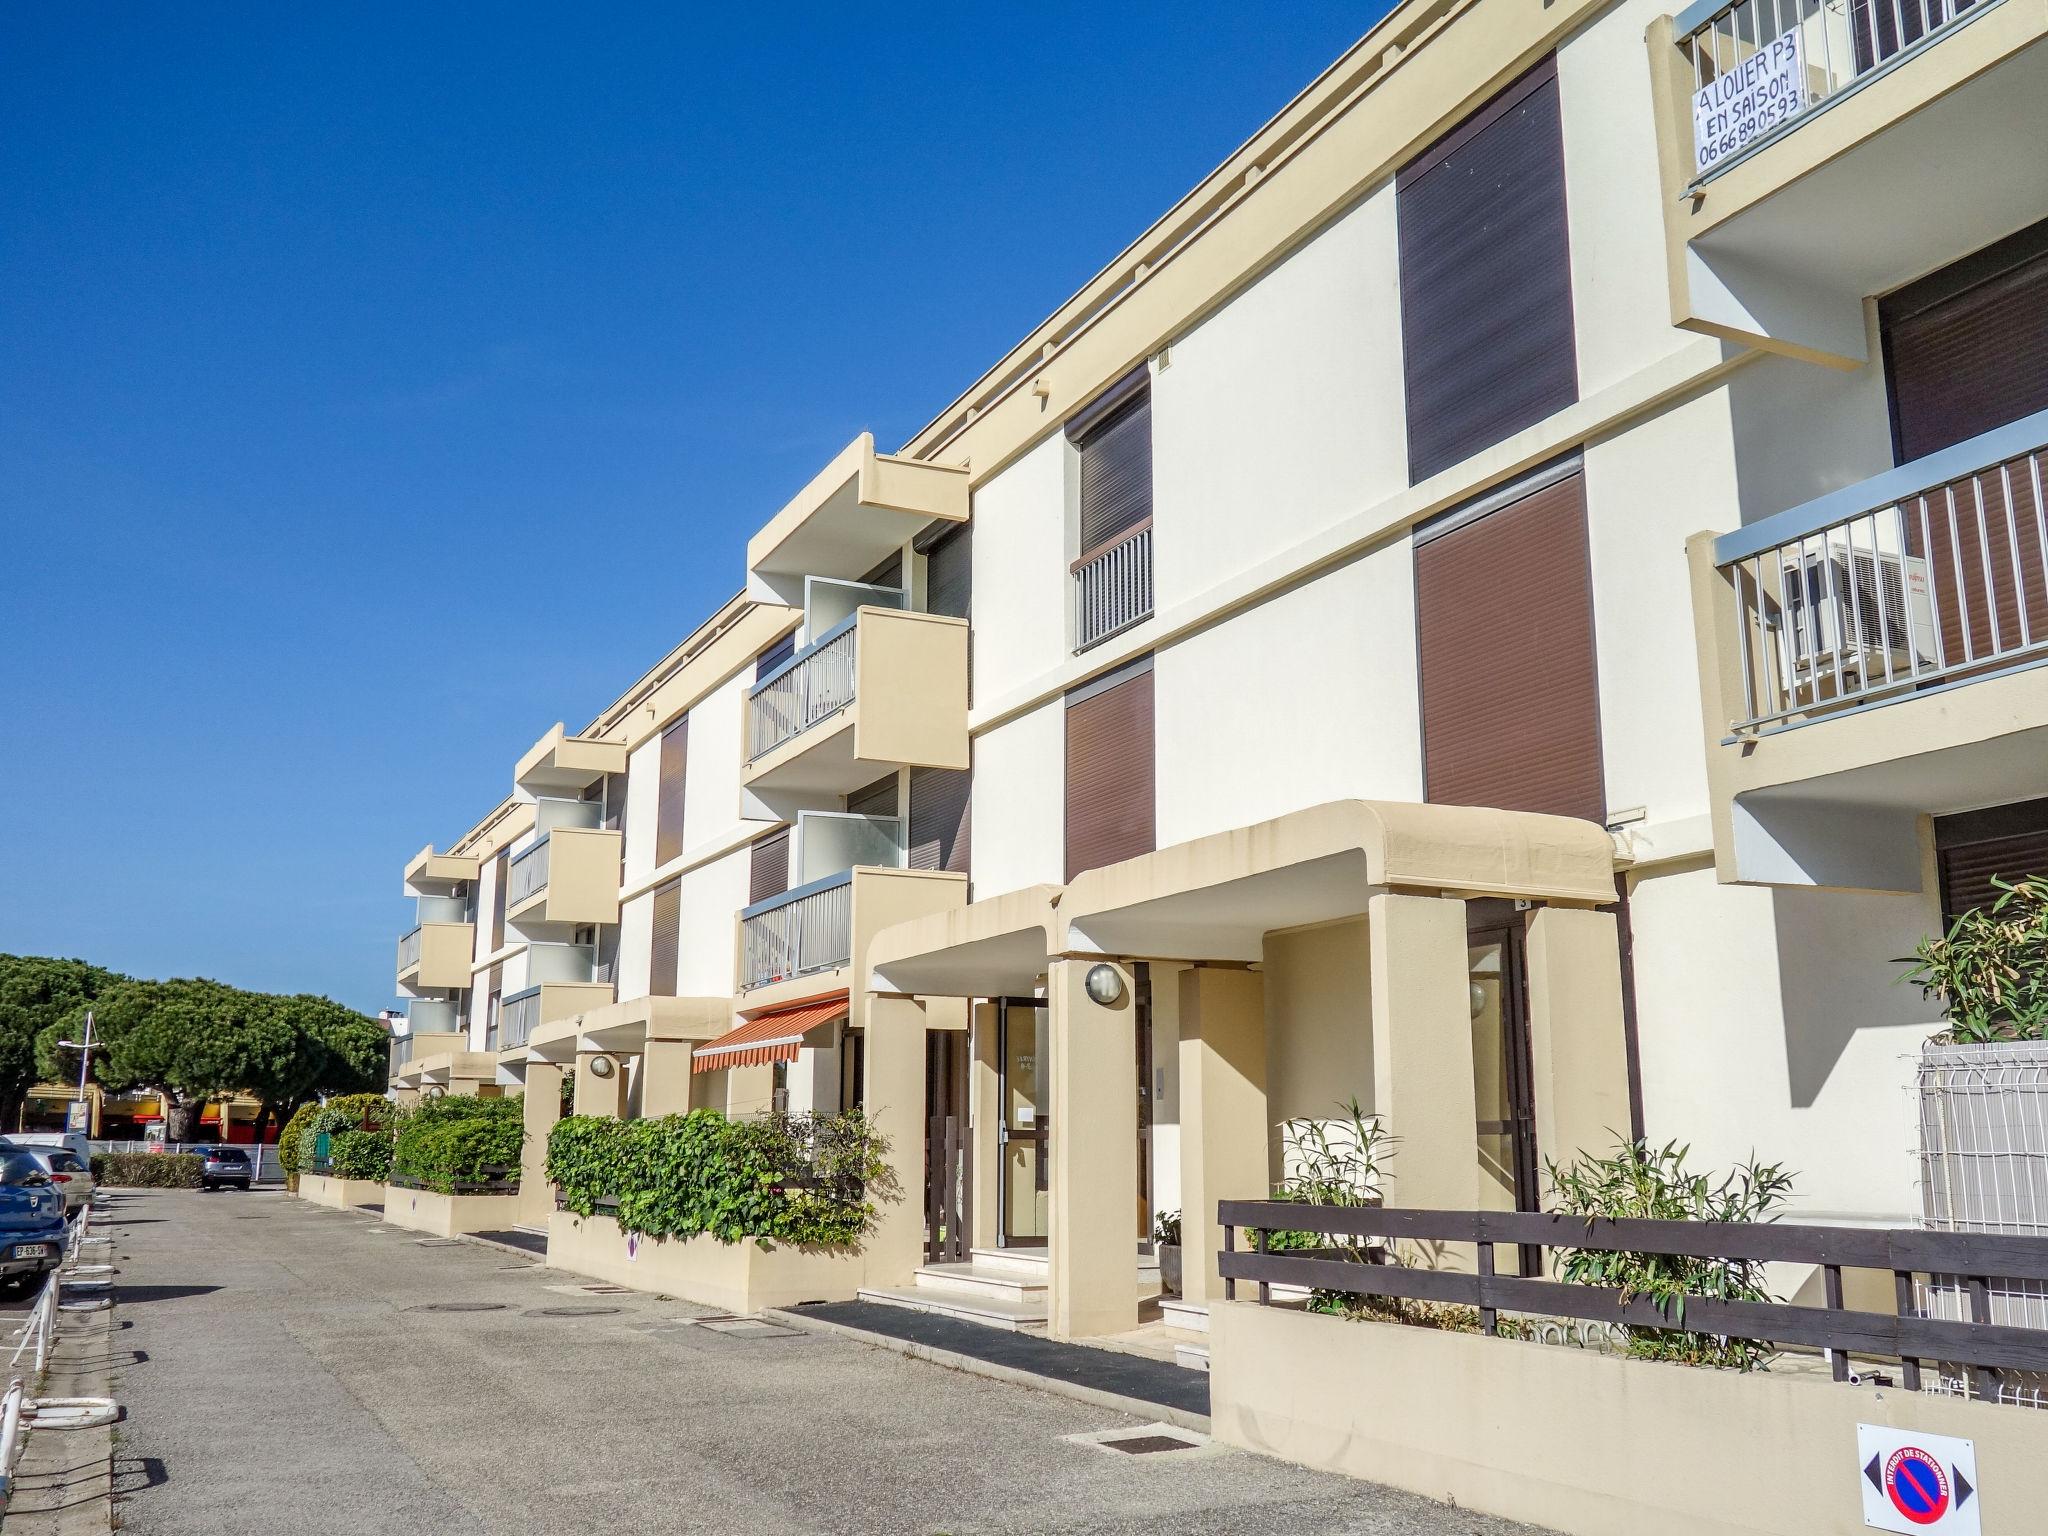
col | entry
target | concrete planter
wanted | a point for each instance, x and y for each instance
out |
(339, 1194)
(425, 1210)
(1578, 1441)
(736, 1277)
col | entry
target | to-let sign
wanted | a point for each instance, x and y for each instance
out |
(1913, 1482)
(1740, 106)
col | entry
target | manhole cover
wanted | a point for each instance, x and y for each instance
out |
(1146, 1440)
(1146, 1445)
(460, 1306)
(574, 1312)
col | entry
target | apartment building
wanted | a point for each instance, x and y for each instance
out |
(1515, 601)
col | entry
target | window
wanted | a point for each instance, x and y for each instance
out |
(1486, 295)
(494, 999)
(668, 799)
(1113, 569)
(666, 948)
(1110, 768)
(1504, 623)
(949, 583)
(775, 656)
(2006, 841)
(768, 873)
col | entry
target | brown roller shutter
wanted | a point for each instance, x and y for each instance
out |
(1114, 441)
(940, 804)
(1510, 700)
(2008, 841)
(1966, 348)
(1486, 289)
(667, 946)
(877, 799)
(500, 884)
(668, 802)
(775, 656)
(768, 872)
(949, 584)
(1110, 768)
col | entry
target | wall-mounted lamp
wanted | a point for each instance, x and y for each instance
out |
(1105, 985)
(602, 1067)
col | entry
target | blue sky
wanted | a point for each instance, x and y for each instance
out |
(331, 337)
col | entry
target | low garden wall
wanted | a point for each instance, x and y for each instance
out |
(339, 1194)
(735, 1277)
(1580, 1441)
(439, 1215)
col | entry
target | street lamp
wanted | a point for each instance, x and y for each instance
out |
(85, 1048)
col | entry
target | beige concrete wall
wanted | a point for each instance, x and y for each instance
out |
(984, 1112)
(543, 1108)
(1319, 1030)
(1422, 1050)
(1224, 1114)
(439, 1215)
(1576, 1040)
(583, 876)
(894, 1100)
(599, 1095)
(665, 1078)
(735, 1277)
(1582, 1442)
(1093, 1237)
(339, 1194)
(910, 689)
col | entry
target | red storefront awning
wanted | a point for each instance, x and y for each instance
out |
(774, 1036)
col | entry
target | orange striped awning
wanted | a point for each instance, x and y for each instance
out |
(774, 1036)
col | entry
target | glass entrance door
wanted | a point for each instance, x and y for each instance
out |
(1020, 1051)
(1502, 1072)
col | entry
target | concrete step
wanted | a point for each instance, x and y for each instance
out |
(1176, 1313)
(967, 1306)
(1016, 1285)
(1027, 1261)
(1194, 1357)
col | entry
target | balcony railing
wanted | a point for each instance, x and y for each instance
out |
(401, 1053)
(1113, 588)
(798, 933)
(517, 1016)
(409, 951)
(1760, 65)
(528, 874)
(1934, 573)
(814, 683)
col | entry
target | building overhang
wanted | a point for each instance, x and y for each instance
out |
(559, 761)
(998, 947)
(859, 509)
(428, 873)
(1216, 897)
(625, 1028)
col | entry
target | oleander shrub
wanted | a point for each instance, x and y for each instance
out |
(1990, 969)
(809, 1181)
(360, 1155)
(457, 1143)
(146, 1170)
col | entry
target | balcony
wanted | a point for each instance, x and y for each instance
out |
(861, 508)
(806, 940)
(560, 763)
(436, 956)
(1873, 657)
(1812, 158)
(521, 1013)
(879, 689)
(1113, 587)
(408, 1051)
(570, 875)
(429, 873)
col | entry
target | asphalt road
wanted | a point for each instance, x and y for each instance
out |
(286, 1378)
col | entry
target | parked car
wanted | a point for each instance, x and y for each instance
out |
(74, 1142)
(71, 1174)
(220, 1167)
(31, 1221)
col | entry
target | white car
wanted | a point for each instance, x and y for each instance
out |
(70, 1173)
(75, 1142)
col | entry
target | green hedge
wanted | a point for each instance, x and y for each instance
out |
(146, 1170)
(350, 1111)
(360, 1155)
(454, 1143)
(802, 1180)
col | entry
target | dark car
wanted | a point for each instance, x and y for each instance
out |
(221, 1167)
(31, 1221)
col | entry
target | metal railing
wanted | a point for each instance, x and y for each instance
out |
(1761, 65)
(813, 684)
(34, 1340)
(409, 951)
(1348, 1266)
(1934, 573)
(799, 933)
(401, 1052)
(1113, 589)
(528, 874)
(517, 1016)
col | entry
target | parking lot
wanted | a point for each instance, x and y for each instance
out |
(312, 1371)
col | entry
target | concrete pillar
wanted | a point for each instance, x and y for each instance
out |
(1093, 1239)
(1223, 1121)
(543, 1107)
(892, 1097)
(985, 1117)
(665, 1078)
(1422, 1050)
(597, 1095)
(1577, 1039)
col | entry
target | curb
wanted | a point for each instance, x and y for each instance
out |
(1138, 1407)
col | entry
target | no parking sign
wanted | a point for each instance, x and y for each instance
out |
(1914, 1482)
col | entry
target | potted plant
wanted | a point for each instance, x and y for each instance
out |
(1166, 1243)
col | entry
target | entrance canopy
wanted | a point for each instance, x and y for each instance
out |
(776, 1036)
(1216, 897)
(993, 948)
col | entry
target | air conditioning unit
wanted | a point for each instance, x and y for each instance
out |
(1868, 614)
